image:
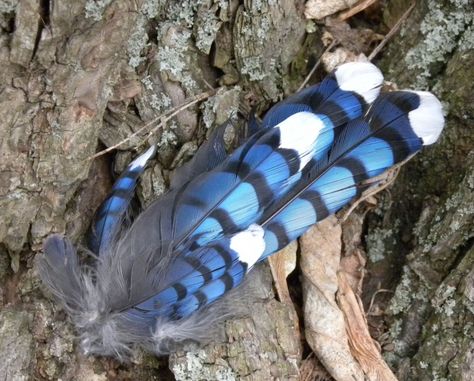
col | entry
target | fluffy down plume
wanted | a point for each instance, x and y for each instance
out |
(166, 279)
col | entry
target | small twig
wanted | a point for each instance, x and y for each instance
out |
(316, 65)
(387, 178)
(163, 118)
(372, 300)
(381, 182)
(356, 9)
(208, 84)
(391, 33)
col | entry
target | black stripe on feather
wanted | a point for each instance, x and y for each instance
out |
(356, 167)
(225, 255)
(181, 291)
(318, 204)
(226, 222)
(280, 232)
(199, 267)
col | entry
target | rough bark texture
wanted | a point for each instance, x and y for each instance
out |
(428, 222)
(80, 75)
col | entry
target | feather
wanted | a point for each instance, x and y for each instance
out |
(108, 219)
(209, 155)
(225, 261)
(200, 267)
(61, 272)
(157, 282)
(395, 128)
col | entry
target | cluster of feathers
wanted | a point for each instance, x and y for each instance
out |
(160, 281)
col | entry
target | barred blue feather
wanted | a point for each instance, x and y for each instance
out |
(160, 281)
(109, 217)
(364, 149)
(203, 276)
(341, 97)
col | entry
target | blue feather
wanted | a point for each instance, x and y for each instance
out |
(108, 219)
(204, 271)
(365, 148)
(360, 153)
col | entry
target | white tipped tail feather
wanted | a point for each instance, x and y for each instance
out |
(249, 244)
(300, 132)
(141, 160)
(362, 78)
(427, 121)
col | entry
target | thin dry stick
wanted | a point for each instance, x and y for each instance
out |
(356, 9)
(387, 179)
(163, 118)
(392, 31)
(372, 300)
(316, 65)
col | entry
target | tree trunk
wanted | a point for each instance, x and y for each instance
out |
(80, 76)
(428, 221)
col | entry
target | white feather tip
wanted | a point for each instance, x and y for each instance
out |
(249, 244)
(362, 78)
(141, 160)
(427, 121)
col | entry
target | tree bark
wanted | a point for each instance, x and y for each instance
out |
(79, 76)
(428, 222)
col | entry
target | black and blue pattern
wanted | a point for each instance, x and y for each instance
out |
(109, 217)
(365, 149)
(325, 99)
(200, 275)
(260, 172)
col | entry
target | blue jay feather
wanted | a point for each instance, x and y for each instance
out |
(364, 149)
(161, 281)
(108, 219)
(206, 274)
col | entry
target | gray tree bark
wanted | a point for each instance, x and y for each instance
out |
(429, 218)
(79, 76)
